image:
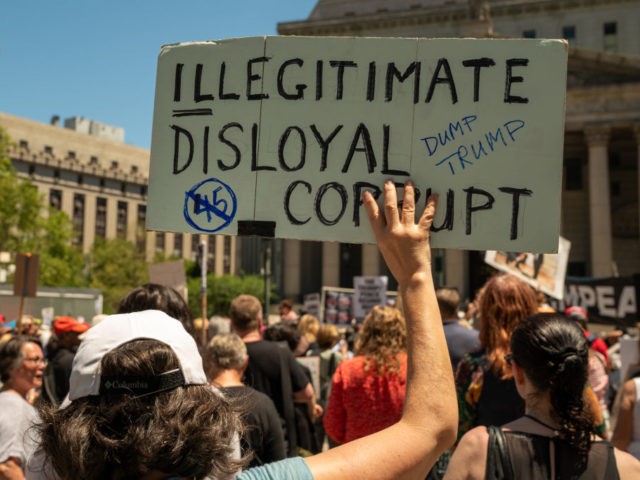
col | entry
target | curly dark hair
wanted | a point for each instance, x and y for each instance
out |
(382, 338)
(554, 354)
(186, 432)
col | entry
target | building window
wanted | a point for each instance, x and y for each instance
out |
(576, 269)
(529, 34)
(71, 154)
(141, 234)
(102, 183)
(32, 169)
(101, 217)
(93, 160)
(177, 245)
(48, 149)
(114, 164)
(614, 188)
(569, 33)
(121, 223)
(55, 199)
(573, 174)
(123, 187)
(160, 242)
(143, 190)
(134, 169)
(610, 37)
(80, 179)
(24, 144)
(78, 218)
(56, 174)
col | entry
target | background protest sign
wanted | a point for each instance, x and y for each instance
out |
(279, 136)
(545, 272)
(369, 292)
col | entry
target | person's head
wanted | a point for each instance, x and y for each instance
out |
(578, 315)
(382, 337)
(504, 302)
(226, 351)
(308, 325)
(285, 306)
(448, 302)
(29, 326)
(245, 313)
(152, 296)
(328, 336)
(68, 330)
(553, 353)
(284, 332)
(218, 325)
(140, 404)
(22, 364)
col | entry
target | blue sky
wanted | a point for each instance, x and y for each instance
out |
(98, 59)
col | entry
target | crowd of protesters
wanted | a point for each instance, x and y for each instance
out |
(527, 380)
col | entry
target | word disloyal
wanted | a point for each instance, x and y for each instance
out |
(280, 137)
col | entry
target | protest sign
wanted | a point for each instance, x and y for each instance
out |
(545, 272)
(337, 305)
(611, 300)
(280, 136)
(369, 292)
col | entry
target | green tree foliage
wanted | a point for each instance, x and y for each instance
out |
(25, 227)
(221, 291)
(116, 267)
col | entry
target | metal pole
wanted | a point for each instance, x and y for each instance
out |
(204, 253)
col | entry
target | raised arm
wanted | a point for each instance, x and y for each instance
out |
(408, 449)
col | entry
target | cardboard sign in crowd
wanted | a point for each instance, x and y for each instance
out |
(280, 136)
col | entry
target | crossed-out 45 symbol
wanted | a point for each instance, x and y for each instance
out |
(210, 205)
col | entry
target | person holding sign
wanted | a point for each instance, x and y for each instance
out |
(405, 450)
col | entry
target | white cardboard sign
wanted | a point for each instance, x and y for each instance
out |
(279, 136)
(368, 292)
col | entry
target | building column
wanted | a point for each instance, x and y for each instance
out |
(67, 202)
(218, 249)
(455, 270)
(291, 268)
(599, 200)
(132, 221)
(370, 260)
(330, 264)
(150, 250)
(186, 245)
(169, 244)
(89, 227)
(112, 217)
(232, 255)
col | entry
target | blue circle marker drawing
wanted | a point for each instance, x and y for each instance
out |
(210, 206)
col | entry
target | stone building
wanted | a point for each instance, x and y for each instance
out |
(600, 214)
(86, 170)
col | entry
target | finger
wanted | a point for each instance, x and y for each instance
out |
(391, 204)
(426, 219)
(373, 212)
(409, 204)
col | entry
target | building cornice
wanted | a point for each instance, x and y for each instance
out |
(355, 24)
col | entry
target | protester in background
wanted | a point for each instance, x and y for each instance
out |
(626, 435)
(218, 325)
(287, 315)
(460, 339)
(152, 296)
(308, 326)
(272, 370)
(426, 429)
(330, 358)
(21, 368)
(367, 391)
(61, 351)
(554, 438)
(487, 394)
(579, 315)
(305, 417)
(263, 437)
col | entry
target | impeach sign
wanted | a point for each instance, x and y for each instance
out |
(280, 136)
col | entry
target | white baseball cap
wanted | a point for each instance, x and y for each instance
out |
(116, 330)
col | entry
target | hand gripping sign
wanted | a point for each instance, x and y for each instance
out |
(280, 136)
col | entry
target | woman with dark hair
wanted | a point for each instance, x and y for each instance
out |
(21, 369)
(152, 296)
(554, 438)
(367, 391)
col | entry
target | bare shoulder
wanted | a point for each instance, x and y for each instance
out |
(470, 457)
(628, 465)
